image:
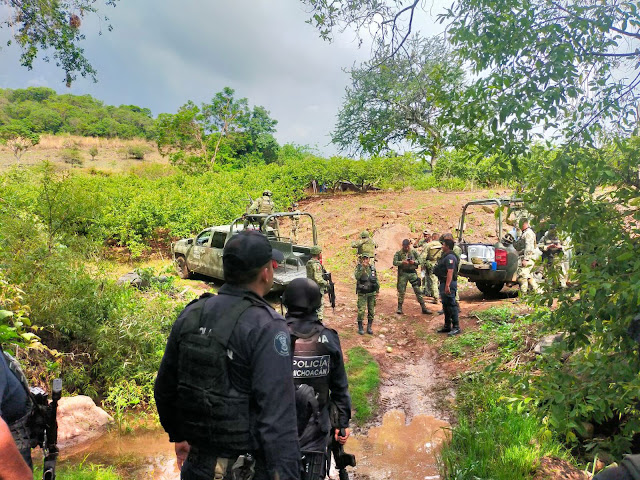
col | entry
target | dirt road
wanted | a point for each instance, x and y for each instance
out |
(416, 393)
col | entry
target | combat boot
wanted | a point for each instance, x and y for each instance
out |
(399, 310)
(369, 330)
(360, 330)
(425, 310)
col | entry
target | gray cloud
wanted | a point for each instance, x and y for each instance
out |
(161, 54)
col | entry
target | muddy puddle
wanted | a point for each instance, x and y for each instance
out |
(142, 455)
(397, 450)
(404, 445)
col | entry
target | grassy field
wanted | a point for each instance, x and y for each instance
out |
(112, 153)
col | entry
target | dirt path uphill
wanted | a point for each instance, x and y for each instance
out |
(416, 392)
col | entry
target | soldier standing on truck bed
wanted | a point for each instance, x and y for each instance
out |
(263, 205)
(407, 261)
(315, 273)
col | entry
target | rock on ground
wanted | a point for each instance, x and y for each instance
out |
(80, 420)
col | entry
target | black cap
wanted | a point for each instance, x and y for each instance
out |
(249, 250)
(405, 242)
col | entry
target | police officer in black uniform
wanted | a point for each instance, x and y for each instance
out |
(447, 272)
(15, 407)
(224, 389)
(319, 376)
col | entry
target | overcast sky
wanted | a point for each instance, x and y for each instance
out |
(162, 54)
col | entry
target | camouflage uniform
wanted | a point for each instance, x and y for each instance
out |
(430, 256)
(407, 273)
(365, 246)
(264, 205)
(314, 272)
(295, 224)
(366, 277)
(555, 257)
(527, 244)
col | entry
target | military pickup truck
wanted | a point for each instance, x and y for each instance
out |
(491, 265)
(202, 254)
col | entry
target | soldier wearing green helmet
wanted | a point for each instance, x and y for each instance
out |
(263, 205)
(314, 272)
(365, 245)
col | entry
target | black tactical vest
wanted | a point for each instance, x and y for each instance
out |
(214, 413)
(440, 270)
(312, 363)
(367, 283)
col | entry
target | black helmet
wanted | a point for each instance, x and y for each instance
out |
(302, 295)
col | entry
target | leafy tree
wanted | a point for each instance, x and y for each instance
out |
(401, 101)
(18, 137)
(554, 66)
(37, 25)
(224, 130)
(222, 116)
(390, 23)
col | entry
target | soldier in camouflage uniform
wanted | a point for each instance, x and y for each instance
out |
(263, 204)
(365, 246)
(526, 246)
(553, 254)
(295, 223)
(314, 272)
(367, 288)
(407, 261)
(431, 252)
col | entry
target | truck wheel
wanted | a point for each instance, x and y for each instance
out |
(181, 267)
(490, 289)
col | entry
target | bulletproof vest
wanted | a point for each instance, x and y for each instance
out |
(367, 283)
(26, 430)
(440, 270)
(266, 206)
(213, 412)
(312, 363)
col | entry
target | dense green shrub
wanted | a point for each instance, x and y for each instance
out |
(44, 111)
(493, 439)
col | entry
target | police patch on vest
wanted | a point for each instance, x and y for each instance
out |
(309, 367)
(281, 344)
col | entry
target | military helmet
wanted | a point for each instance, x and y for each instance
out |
(364, 234)
(315, 250)
(406, 242)
(302, 295)
(267, 193)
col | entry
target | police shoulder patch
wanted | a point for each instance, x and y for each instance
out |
(281, 344)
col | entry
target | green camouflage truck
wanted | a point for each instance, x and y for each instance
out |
(202, 254)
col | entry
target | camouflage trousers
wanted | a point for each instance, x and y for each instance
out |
(525, 277)
(430, 280)
(558, 270)
(412, 278)
(366, 301)
(320, 310)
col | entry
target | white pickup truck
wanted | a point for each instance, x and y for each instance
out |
(203, 253)
(491, 265)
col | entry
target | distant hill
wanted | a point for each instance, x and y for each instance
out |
(42, 110)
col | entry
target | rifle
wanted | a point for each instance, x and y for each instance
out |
(49, 444)
(332, 287)
(342, 459)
